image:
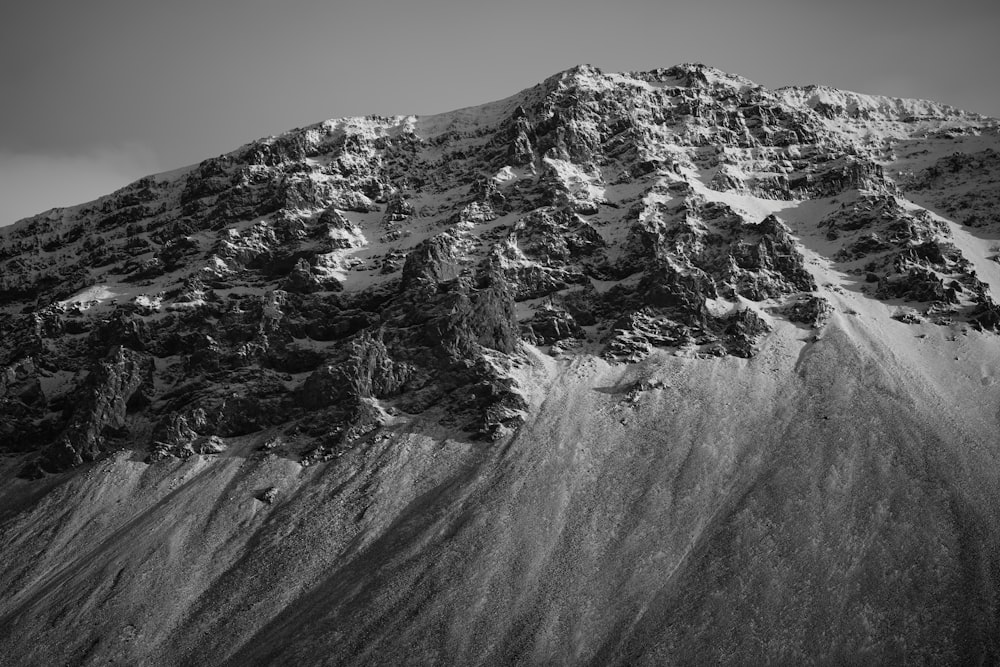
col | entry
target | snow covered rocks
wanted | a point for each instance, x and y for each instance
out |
(646, 368)
(306, 283)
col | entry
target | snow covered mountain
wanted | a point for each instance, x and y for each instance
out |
(627, 368)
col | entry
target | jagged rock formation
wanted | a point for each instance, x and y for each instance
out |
(589, 200)
(316, 297)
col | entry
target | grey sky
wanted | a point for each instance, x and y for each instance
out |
(98, 93)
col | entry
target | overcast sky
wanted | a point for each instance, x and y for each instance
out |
(96, 94)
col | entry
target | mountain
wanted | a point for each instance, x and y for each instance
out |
(644, 368)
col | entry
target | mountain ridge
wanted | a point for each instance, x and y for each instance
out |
(636, 74)
(621, 369)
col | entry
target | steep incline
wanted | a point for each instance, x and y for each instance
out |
(624, 369)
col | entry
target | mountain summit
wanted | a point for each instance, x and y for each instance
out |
(639, 368)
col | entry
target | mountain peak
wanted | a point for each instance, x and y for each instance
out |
(696, 75)
(583, 71)
(472, 388)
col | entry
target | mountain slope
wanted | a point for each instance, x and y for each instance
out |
(624, 369)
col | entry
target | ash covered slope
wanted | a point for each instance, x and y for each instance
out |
(625, 368)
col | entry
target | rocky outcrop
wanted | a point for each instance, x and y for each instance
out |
(307, 283)
(959, 185)
(811, 310)
(117, 385)
(549, 325)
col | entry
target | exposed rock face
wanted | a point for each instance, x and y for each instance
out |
(812, 310)
(382, 257)
(115, 386)
(386, 306)
(550, 325)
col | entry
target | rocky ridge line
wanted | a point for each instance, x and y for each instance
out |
(319, 285)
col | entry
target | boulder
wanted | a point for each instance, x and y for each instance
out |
(812, 310)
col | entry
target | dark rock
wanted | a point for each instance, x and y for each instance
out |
(118, 384)
(635, 334)
(208, 444)
(372, 370)
(518, 137)
(324, 387)
(397, 209)
(486, 193)
(549, 325)
(197, 415)
(741, 331)
(869, 244)
(916, 285)
(812, 310)
(557, 236)
(500, 408)
(985, 314)
(301, 279)
(357, 202)
(583, 305)
(121, 329)
(293, 358)
(685, 293)
(907, 317)
(438, 259)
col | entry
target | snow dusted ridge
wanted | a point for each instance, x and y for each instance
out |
(625, 369)
(682, 208)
